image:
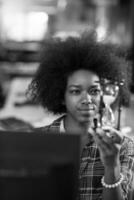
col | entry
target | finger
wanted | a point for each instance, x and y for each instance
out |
(91, 131)
(103, 137)
(100, 132)
(112, 143)
(101, 143)
(107, 147)
(106, 143)
(108, 140)
(111, 129)
(114, 134)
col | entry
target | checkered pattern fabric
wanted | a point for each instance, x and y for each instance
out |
(92, 169)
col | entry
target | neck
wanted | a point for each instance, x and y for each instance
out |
(72, 126)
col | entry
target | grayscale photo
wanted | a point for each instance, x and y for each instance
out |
(67, 99)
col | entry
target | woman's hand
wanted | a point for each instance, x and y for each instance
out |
(109, 142)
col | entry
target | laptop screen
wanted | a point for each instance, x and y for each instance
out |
(38, 165)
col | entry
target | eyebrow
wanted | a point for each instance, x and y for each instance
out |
(78, 86)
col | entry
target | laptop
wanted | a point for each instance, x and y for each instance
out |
(39, 165)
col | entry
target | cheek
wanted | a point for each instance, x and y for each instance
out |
(70, 102)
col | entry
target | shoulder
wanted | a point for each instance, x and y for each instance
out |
(53, 127)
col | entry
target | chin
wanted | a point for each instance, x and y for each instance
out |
(85, 119)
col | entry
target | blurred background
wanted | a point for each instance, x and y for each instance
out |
(25, 24)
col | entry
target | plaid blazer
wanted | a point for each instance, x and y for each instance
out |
(91, 168)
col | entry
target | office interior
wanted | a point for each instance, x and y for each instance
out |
(24, 25)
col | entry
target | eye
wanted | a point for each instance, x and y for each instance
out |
(75, 91)
(94, 91)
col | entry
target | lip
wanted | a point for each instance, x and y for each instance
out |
(87, 109)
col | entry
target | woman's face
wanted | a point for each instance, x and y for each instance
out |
(82, 96)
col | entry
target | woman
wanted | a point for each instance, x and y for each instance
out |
(68, 82)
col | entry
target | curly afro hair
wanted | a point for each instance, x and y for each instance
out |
(60, 58)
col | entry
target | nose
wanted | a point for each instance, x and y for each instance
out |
(86, 99)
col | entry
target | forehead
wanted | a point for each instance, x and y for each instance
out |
(83, 77)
